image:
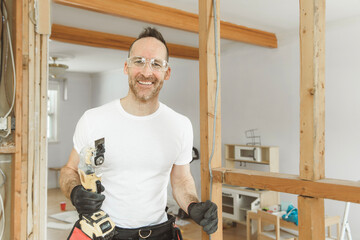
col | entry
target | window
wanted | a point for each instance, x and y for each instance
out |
(52, 108)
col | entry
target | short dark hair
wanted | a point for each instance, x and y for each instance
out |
(151, 32)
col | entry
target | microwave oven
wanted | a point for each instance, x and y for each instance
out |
(248, 153)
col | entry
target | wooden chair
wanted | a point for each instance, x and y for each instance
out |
(269, 219)
(266, 219)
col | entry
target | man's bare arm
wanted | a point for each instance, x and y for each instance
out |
(183, 186)
(69, 177)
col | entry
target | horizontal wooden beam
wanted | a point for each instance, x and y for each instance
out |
(342, 190)
(106, 40)
(171, 17)
(7, 150)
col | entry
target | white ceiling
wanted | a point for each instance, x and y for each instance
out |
(277, 16)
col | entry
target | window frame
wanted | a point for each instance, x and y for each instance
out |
(53, 115)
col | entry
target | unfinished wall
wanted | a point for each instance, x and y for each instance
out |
(260, 89)
(79, 99)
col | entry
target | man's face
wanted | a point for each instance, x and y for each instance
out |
(145, 83)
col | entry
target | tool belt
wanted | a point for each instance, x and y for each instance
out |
(163, 231)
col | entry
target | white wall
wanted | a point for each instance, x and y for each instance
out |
(79, 100)
(260, 89)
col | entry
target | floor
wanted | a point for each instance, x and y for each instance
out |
(190, 232)
(54, 198)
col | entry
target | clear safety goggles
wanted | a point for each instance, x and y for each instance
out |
(157, 65)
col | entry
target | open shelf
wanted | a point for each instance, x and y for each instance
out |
(264, 155)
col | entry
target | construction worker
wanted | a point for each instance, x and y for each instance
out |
(146, 143)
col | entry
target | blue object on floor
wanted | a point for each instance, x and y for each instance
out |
(291, 214)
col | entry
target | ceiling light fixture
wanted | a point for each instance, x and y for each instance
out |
(56, 70)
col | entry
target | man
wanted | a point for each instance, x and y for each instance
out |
(145, 142)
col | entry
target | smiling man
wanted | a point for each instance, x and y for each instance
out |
(146, 143)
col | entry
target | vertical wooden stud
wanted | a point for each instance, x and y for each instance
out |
(25, 120)
(207, 106)
(312, 114)
(15, 228)
(31, 132)
(312, 89)
(311, 215)
(43, 136)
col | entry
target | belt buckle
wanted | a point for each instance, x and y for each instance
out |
(144, 237)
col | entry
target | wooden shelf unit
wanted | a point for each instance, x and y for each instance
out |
(238, 200)
(269, 156)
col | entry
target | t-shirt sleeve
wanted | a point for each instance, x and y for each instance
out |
(185, 155)
(80, 137)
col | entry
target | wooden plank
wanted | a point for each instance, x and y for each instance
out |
(43, 136)
(106, 40)
(31, 131)
(342, 190)
(7, 150)
(37, 167)
(43, 16)
(15, 228)
(208, 81)
(171, 17)
(312, 89)
(312, 217)
(312, 115)
(25, 122)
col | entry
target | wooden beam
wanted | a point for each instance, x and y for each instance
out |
(44, 56)
(311, 214)
(312, 89)
(342, 190)
(25, 123)
(312, 113)
(208, 80)
(171, 17)
(106, 40)
(16, 211)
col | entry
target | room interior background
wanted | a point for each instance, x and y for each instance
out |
(260, 89)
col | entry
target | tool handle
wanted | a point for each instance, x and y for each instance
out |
(89, 181)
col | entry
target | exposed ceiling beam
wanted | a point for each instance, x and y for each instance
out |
(106, 40)
(171, 17)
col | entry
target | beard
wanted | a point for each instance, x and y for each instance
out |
(145, 95)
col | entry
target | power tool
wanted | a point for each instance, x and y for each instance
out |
(98, 225)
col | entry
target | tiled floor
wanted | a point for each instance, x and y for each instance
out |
(190, 232)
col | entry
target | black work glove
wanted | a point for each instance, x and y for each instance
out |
(86, 202)
(204, 214)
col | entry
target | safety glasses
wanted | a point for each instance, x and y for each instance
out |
(156, 65)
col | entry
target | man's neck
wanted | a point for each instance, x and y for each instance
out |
(139, 108)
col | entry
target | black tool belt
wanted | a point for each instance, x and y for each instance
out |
(162, 231)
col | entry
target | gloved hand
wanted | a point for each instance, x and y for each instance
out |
(86, 202)
(204, 214)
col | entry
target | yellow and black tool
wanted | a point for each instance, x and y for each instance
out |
(97, 225)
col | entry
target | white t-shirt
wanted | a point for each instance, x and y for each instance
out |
(139, 155)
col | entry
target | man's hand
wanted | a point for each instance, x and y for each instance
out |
(86, 202)
(204, 214)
